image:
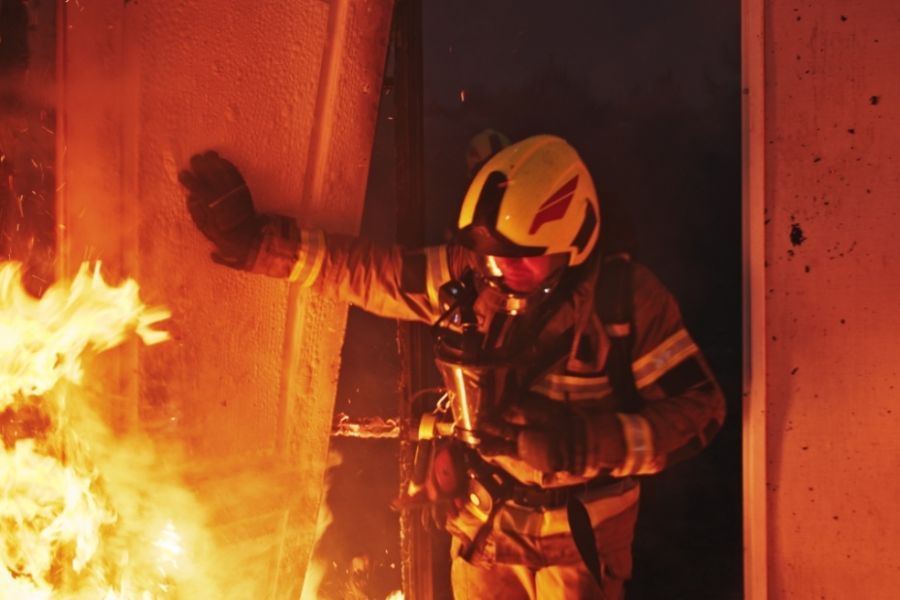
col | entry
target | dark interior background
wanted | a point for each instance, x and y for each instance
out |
(649, 93)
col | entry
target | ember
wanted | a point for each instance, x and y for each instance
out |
(365, 427)
(84, 512)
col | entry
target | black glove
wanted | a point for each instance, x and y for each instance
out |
(546, 434)
(222, 208)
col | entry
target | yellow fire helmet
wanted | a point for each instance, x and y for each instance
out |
(533, 198)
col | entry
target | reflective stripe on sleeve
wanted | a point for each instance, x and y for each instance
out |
(674, 349)
(647, 370)
(639, 445)
(310, 258)
(437, 271)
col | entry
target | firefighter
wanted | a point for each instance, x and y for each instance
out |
(611, 385)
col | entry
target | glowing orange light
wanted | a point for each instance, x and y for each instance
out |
(76, 521)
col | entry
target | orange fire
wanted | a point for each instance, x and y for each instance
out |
(319, 564)
(84, 512)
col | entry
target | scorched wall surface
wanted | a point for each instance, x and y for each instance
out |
(289, 91)
(832, 154)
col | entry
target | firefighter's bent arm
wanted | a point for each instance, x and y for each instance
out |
(684, 406)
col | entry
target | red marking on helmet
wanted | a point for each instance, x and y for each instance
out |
(554, 208)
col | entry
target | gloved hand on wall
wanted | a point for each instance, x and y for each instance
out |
(221, 206)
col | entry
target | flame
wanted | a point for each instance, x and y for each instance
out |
(84, 513)
(318, 566)
(42, 341)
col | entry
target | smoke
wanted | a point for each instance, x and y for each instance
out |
(161, 531)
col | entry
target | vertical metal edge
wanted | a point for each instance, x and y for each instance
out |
(753, 90)
(279, 556)
(129, 375)
(416, 544)
(317, 162)
(315, 171)
(62, 258)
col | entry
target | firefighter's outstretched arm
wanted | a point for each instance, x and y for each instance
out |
(385, 280)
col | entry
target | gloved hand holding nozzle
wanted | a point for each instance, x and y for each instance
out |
(548, 435)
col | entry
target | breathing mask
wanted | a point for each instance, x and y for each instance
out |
(481, 342)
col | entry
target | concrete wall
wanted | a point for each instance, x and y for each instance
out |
(824, 153)
(288, 90)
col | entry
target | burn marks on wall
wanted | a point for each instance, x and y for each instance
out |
(797, 235)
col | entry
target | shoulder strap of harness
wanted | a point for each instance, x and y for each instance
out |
(614, 302)
(615, 306)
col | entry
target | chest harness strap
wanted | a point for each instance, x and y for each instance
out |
(615, 306)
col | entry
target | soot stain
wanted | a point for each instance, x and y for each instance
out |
(797, 236)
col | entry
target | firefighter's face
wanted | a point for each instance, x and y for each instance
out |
(527, 274)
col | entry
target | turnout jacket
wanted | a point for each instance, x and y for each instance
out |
(683, 405)
(682, 409)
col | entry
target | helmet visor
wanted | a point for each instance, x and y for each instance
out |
(525, 274)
